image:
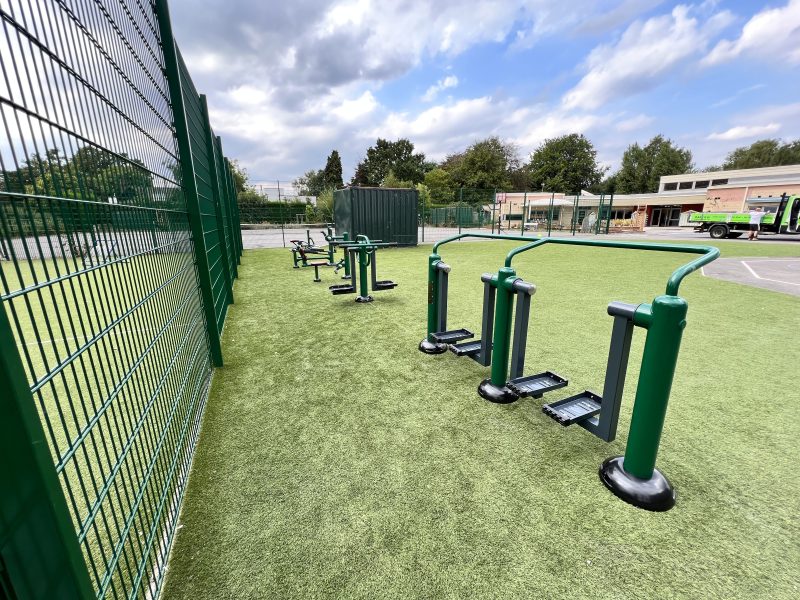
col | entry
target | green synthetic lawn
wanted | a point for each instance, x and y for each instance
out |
(337, 461)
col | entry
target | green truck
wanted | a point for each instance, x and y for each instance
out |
(733, 224)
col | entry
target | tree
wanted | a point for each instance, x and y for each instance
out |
(241, 180)
(485, 164)
(763, 153)
(643, 167)
(424, 195)
(325, 206)
(440, 186)
(386, 156)
(392, 181)
(332, 174)
(312, 183)
(565, 164)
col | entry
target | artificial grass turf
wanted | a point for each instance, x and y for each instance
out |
(337, 461)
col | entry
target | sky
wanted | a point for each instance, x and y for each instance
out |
(287, 82)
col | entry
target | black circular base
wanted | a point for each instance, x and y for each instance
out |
(499, 395)
(345, 276)
(364, 299)
(432, 347)
(317, 280)
(295, 267)
(656, 493)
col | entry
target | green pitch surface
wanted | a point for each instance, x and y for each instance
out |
(337, 461)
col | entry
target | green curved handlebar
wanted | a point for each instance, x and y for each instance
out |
(491, 236)
(709, 253)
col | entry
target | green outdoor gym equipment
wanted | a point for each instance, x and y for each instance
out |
(362, 253)
(633, 477)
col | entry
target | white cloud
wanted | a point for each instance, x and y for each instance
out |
(450, 81)
(634, 123)
(771, 34)
(645, 54)
(738, 94)
(745, 131)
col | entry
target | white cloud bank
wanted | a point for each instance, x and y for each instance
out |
(450, 81)
(741, 132)
(771, 34)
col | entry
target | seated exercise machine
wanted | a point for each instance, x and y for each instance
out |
(632, 477)
(304, 251)
(362, 253)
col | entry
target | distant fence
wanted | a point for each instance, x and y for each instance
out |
(514, 212)
(119, 244)
(277, 213)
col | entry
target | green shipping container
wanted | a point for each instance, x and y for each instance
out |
(385, 214)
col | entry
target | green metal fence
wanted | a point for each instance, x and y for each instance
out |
(119, 245)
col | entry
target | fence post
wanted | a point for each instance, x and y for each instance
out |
(610, 205)
(522, 223)
(188, 182)
(215, 189)
(599, 215)
(236, 216)
(40, 551)
(550, 214)
(229, 198)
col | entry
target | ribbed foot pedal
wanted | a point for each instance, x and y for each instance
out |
(574, 409)
(450, 337)
(342, 289)
(384, 285)
(466, 349)
(536, 385)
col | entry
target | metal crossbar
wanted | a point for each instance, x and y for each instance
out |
(119, 245)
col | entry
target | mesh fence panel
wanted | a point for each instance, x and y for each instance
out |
(99, 274)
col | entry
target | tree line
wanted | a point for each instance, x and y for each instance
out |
(566, 164)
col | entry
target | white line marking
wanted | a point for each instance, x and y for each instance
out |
(757, 276)
(753, 273)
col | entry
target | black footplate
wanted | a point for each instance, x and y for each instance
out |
(466, 349)
(574, 409)
(450, 337)
(536, 385)
(384, 285)
(342, 289)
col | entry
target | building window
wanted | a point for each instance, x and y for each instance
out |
(719, 182)
(670, 186)
(685, 185)
(701, 184)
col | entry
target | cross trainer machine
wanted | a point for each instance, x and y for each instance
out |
(361, 253)
(632, 477)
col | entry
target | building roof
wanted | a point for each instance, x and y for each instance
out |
(763, 173)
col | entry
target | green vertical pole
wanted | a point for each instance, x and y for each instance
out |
(634, 477)
(347, 267)
(502, 327)
(433, 295)
(363, 286)
(41, 557)
(608, 211)
(667, 320)
(599, 215)
(460, 207)
(422, 212)
(188, 183)
(217, 197)
(494, 207)
(237, 222)
(524, 216)
(575, 214)
(550, 214)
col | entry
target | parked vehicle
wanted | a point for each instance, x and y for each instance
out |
(733, 224)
